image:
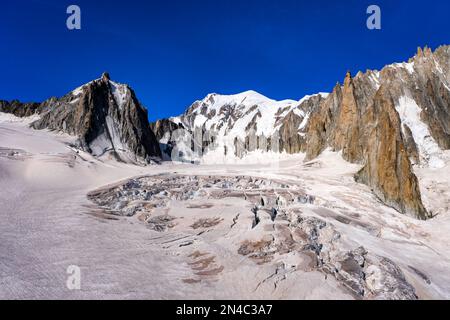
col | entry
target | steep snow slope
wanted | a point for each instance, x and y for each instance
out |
(233, 125)
(235, 115)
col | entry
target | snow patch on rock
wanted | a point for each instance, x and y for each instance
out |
(429, 151)
(120, 92)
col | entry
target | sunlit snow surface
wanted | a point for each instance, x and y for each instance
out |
(48, 224)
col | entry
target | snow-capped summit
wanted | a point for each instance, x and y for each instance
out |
(238, 111)
(248, 98)
(239, 117)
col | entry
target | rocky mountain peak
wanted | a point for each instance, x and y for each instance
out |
(390, 121)
(105, 77)
(106, 117)
(348, 79)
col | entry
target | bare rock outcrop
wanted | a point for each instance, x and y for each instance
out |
(388, 170)
(389, 121)
(347, 135)
(20, 109)
(106, 117)
(369, 131)
(164, 131)
(292, 132)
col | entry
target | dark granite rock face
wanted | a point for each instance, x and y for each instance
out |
(106, 117)
(20, 109)
(164, 131)
(164, 128)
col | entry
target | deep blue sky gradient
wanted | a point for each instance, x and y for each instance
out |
(174, 52)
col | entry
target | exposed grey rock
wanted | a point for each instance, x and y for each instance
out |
(163, 130)
(20, 109)
(104, 115)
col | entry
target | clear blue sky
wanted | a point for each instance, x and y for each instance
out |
(174, 52)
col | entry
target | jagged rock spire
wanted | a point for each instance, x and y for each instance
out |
(107, 119)
(105, 77)
(348, 78)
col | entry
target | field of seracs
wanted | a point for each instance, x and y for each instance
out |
(177, 231)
